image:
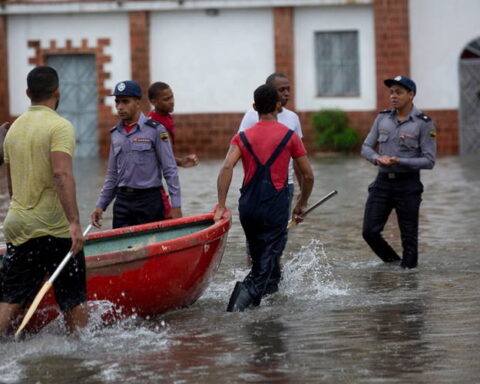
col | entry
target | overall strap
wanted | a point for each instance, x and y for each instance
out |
(249, 147)
(280, 148)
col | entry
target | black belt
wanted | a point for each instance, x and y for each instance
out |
(137, 190)
(398, 175)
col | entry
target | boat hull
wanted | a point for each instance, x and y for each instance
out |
(148, 277)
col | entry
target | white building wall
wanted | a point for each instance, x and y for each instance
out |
(21, 29)
(340, 18)
(439, 32)
(212, 63)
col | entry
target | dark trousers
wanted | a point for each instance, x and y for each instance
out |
(137, 206)
(402, 192)
(276, 274)
(267, 243)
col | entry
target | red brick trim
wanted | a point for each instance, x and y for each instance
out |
(207, 135)
(140, 52)
(284, 46)
(392, 43)
(105, 118)
(448, 130)
(4, 100)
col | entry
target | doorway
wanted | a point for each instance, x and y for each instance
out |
(78, 101)
(469, 76)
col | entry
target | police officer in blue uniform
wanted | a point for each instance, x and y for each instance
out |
(401, 142)
(140, 156)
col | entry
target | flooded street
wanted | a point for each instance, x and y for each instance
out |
(341, 315)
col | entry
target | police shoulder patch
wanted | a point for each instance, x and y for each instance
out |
(424, 117)
(164, 136)
(152, 123)
(432, 133)
(385, 111)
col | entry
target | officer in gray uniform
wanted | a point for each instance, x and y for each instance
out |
(140, 155)
(401, 142)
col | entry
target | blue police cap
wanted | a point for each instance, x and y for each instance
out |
(403, 81)
(128, 88)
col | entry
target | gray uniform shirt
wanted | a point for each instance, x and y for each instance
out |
(139, 159)
(412, 141)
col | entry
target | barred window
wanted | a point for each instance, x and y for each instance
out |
(336, 62)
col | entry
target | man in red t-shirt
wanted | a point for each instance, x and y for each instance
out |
(161, 97)
(263, 204)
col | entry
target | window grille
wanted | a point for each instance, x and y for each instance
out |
(337, 63)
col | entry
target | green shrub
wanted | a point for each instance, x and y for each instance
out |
(333, 132)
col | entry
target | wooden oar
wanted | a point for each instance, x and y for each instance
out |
(291, 223)
(45, 288)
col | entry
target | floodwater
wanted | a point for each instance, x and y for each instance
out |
(341, 316)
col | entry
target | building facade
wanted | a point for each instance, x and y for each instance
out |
(214, 53)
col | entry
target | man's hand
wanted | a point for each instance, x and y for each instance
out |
(96, 217)
(77, 238)
(188, 161)
(219, 211)
(176, 212)
(387, 160)
(297, 211)
(4, 126)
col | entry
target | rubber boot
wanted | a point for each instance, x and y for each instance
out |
(240, 299)
(271, 288)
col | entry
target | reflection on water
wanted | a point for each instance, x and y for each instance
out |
(270, 351)
(398, 327)
(341, 316)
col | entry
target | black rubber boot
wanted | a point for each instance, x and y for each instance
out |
(240, 299)
(272, 287)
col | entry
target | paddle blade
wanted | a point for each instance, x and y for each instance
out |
(33, 307)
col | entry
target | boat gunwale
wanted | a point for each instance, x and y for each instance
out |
(162, 248)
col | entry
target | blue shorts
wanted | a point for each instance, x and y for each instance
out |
(26, 266)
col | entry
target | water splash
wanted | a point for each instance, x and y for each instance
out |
(143, 336)
(310, 273)
(307, 273)
(10, 371)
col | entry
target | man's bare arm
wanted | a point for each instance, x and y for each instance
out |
(65, 186)
(298, 173)
(225, 178)
(306, 188)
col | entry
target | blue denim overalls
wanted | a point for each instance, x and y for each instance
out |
(264, 216)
